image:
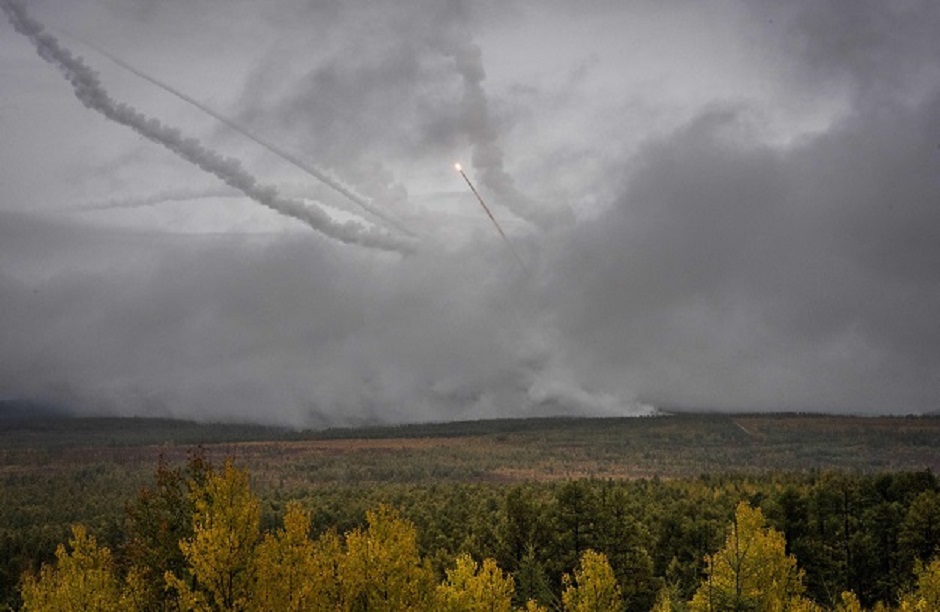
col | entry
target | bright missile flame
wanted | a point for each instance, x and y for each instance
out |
(486, 208)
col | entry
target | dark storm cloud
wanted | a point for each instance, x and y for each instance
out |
(881, 48)
(797, 278)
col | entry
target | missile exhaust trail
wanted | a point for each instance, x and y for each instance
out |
(88, 89)
(459, 169)
(288, 157)
(176, 195)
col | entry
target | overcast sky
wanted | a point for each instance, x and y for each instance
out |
(721, 205)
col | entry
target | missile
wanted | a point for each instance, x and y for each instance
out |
(486, 208)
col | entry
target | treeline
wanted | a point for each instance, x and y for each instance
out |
(848, 532)
(201, 538)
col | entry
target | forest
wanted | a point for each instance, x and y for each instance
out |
(631, 514)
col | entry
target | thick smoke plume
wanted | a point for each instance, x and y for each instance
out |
(92, 94)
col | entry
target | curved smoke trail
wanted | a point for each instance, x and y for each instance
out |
(92, 94)
(288, 157)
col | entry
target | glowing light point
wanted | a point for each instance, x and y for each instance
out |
(459, 169)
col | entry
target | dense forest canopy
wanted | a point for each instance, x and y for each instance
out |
(553, 506)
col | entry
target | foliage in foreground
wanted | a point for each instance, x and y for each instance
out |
(83, 578)
(752, 571)
(197, 543)
(857, 499)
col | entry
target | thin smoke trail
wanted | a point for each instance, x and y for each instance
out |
(172, 195)
(92, 94)
(176, 195)
(486, 208)
(286, 156)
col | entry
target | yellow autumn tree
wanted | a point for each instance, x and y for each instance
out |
(668, 600)
(325, 584)
(752, 571)
(284, 566)
(594, 587)
(848, 602)
(926, 596)
(470, 587)
(220, 554)
(382, 570)
(82, 578)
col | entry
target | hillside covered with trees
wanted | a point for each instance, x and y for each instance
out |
(194, 542)
(405, 518)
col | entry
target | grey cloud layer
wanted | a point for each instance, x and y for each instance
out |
(718, 268)
(761, 278)
(241, 328)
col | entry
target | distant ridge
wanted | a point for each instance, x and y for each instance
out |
(24, 409)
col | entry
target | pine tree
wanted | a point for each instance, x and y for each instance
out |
(531, 582)
(157, 519)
